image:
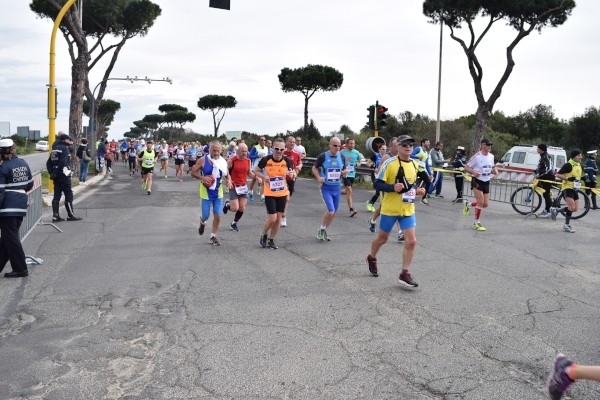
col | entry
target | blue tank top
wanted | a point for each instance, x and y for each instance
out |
(332, 169)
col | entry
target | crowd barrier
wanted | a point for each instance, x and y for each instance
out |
(33, 218)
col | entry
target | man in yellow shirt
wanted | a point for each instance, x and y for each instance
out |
(397, 177)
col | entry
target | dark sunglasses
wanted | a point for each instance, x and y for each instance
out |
(336, 145)
(278, 148)
(406, 144)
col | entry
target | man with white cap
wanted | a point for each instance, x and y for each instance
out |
(15, 182)
(591, 171)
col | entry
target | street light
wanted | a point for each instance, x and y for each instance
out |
(92, 122)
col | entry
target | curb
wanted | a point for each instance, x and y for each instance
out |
(47, 197)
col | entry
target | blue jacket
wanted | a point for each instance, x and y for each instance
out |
(60, 157)
(15, 182)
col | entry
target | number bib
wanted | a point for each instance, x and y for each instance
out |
(334, 174)
(241, 190)
(422, 164)
(350, 169)
(409, 197)
(576, 184)
(277, 183)
(486, 171)
(180, 156)
(148, 162)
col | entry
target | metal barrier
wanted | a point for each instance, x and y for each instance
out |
(34, 207)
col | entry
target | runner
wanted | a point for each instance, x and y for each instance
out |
(132, 159)
(239, 168)
(296, 159)
(163, 154)
(211, 170)
(147, 161)
(329, 169)
(273, 170)
(179, 154)
(481, 166)
(114, 150)
(352, 159)
(421, 154)
(191, 155)
(397, 178)
(124, 146)
(256, 153)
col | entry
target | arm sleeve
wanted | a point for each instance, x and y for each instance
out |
(263, 162)
(320, 160)
(253, 154)
(565, 169)
(382, 186)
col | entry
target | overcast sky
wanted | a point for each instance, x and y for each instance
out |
(385, 49)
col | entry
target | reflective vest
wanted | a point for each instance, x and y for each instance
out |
(576, 172)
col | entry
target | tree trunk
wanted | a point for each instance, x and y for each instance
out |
(483, 114)
(305, 115)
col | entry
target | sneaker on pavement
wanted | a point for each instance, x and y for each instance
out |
(283, 222)
(214, 241)
(370, 207)
(401, 236)
(226, 207)
(73, 218)
(372, 261)
(251, 197)
(466, 209)
(478, 227)
(201, 229)
(272, 244)
(544, 214)
(233, 226)
(57, 219)
(406, 280)
(553, 213)
(325, 237)
(425, 201)
(353, 213)
(567, 228)
(262, 198)
(263, 241)
(321, 234)
(558, 380)
(371, 225)
(439, 196)
(149, 192)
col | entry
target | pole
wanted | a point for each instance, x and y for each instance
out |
(376, 131)
(437, 125)
(52, 84)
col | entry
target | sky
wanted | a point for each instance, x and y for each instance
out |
(386, 50)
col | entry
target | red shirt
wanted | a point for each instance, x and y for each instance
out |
(295, 157)
(239, 170)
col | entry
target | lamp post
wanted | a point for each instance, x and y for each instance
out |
(92, 122)
(437, 125)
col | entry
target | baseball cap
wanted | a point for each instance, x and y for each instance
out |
(543, 146)
(405, 138)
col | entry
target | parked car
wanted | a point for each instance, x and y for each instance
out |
(41, 145)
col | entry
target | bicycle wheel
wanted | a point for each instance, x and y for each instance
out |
(583, 204)
(525, 200)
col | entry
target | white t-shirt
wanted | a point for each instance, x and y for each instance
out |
(300, 149)
(483, 164)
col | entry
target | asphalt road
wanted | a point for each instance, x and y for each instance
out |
(131, 303)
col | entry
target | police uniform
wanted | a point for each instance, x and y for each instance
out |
(59, 168)
(15, 181)
(459, 165)
(591, 171)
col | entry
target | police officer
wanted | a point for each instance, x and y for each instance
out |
(591, 170)
(59, 168)
(15, 181)
(460, 159)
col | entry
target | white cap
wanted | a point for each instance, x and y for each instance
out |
(593, 152)
(8, 142)
(460, 148)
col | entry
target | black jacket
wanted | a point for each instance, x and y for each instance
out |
(60, 157)
(545, 170)
(15, 182)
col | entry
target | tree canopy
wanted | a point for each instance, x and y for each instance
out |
(524, 16)
(216, 103)
(308, 80)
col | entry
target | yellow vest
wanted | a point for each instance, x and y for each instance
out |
(576, 172)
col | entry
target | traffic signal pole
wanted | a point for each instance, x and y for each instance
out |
(376, 131)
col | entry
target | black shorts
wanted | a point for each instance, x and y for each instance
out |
(179, 162)
(191, 163)
(275, 204)
(572, 193)
(147, 170)
(290, 185)
(348, 182)
(480, 185)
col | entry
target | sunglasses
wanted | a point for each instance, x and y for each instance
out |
(336, 145)
(278, 148)
(406, 144)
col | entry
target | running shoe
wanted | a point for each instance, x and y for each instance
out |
(321, 234)
(233, 226)
(251, 197)
(558, 380)
(272, 244)
(149, 192)
(401, 236)
(478, 227)
(166, 177)
(201, 229)
(439, 196)
(370, 207)
(425, 201)
(226, 207)
(214, 241)
(544, 214)
(263, 241)
(325, 237)
(353, 213)
(262, 198)
(144, 185)
(406, 280)
(180, 180)
(466, 209)
(372, 261)
(567, 228)
(283, 222)
(371, 225)
(553, 213)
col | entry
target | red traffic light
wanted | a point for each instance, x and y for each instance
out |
(382, 109)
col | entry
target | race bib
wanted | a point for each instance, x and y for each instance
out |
(422, 164)
(277, 183)
(148, 162)
(350, 169)
(486, 171)
(180, 156)
(576, 184)
(242, 189)
(334, 174)
(409, 197)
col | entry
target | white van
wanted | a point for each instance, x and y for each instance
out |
(524, 158)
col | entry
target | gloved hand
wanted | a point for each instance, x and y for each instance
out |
(67, 171)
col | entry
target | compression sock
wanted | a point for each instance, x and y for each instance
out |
(238, 216)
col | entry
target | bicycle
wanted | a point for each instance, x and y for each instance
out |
(528, 200)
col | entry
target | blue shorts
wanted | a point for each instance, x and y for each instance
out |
(331, 196)
(387, 222)
(217, 205)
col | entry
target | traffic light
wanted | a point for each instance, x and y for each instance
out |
(371, 116)
(381, 116)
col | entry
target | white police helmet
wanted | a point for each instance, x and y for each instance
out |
(6, 145)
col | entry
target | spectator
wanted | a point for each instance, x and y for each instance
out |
(84, 156)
